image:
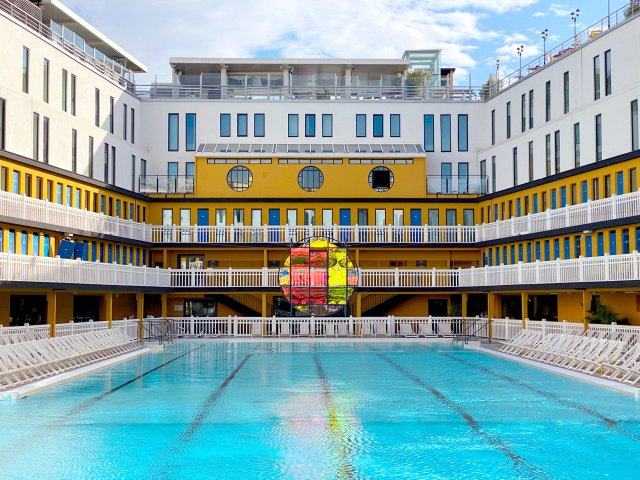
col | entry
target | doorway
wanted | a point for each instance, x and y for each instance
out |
(437, 307)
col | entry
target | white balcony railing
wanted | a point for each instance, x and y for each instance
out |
(30, 209)
(25, 268)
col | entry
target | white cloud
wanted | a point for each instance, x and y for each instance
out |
(540, 14)
(560, 10)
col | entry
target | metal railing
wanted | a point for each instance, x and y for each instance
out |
(106, 66)
(457, 185)
(167, 184)
(34, 210)
(26, 268)
(566, 47)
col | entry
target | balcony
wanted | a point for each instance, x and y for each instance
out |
(457, 185)
(167, 184)
(27, 209)
(33, 269)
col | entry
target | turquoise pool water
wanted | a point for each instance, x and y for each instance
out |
(214, 410)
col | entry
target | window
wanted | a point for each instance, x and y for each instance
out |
(493, 127)
(483, 176)
(634, 125)
(428, 133)
(25, 70)
(523, 110)
(633, 180)
(225, 124)
(445, 131)
(493, 173)
(293, 124)
(508, 119)
(547, 101)
(45, 80)
(190, 170)
(173, 141)
(73, 95)
(433, 219)
(463, 133)
(240, 178)
(595, 189)
(96, 107)
(607, 72)
(515, 166)
(3, 106)
(190, 132)
(65, 79)
(113, 165)
(607, 186)
(125, 117)
(394, 125)
(242, 126)
(576, 144)
(91, 173)
(548, 153)
(258, 124)
(327, 125)
(309, 216)
(450, 216)
(361, 125)
(133, 173)
(106, 163)
(111, 119)
(463, 177)
(36, 135)
(530, 161)
(363, 216)
(309, 125)
(445, 177)
(310, 179)
(381, 179)
(74, 150)
(598, 138)
(45, 139)
(566, 92)
(143, 167)
(378, 125)
(133, 126)
(596, 77)
(467, 217)
(556, 150)
(530, 108)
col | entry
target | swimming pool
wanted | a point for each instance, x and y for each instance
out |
(224, 410)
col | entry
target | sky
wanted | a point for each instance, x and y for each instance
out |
(471, 33)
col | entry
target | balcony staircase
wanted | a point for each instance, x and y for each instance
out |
(244, 303)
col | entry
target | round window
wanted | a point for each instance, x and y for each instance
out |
(381, 179)
(310, 179)
(239, 178)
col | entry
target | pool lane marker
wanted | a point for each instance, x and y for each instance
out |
(523, 466)
(609, 422)
(347, 469)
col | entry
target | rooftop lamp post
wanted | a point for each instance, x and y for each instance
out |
(574, 16)
(520, 49)
(498, 70)
(544, 34)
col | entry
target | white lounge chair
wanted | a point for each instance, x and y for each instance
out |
(380, 328)
(343, 329)
(406, 330)
(426, 330)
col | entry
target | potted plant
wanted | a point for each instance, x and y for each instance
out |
(632, 9)
(415, 81)
(606, 315)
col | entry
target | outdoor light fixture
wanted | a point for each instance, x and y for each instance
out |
(545, 34)
(520, 49)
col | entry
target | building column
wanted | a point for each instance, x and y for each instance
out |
(163, 298)
(358, 304)
(263, 305)
(586, 306)
(465, 300)
(140, 312)
(51, 312)
(524, 305)
(108, 310)
(165, 258)
(491, 304)
(224, 81)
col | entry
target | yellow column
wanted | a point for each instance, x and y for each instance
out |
(163, 298)
(140, 312)
(51, 312)
(465, 300)
(525, 313)
(586, 306)
(108, 310)
(265, 258)
(491, 301)
(165, 259)
(358, 304)
(263, 298)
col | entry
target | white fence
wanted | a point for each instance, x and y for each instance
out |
(33, 210)
(35, 332)
(26, 268)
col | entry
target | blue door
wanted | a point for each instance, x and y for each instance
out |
(203, 221)
(93, 250)
(345, 221)
(547, 250)
(585, 192)
(588, 251)
(556, 249)
(529, 252)
(537, 250)
(415, 219)
(620, 183)
(504, 255)
(625, 241)
(495, 213)
(490, 257)
(109, 254)
(613, 248)
(12, 241)
(535, 203)
(563, 197)
(520, 259)
(637, 239)
(513, 254)
(567, 248)
(117, 260)
(274, 220)
(553, 198)
(600, 244)
(518, 210)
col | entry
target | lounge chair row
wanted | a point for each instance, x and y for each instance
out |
(8, 339)
(27, 362)
(592, 353)
(365, 329)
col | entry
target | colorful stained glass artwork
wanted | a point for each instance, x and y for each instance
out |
(318, 277)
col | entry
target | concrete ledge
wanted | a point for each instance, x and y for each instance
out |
(35, 387)
(582, 377)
